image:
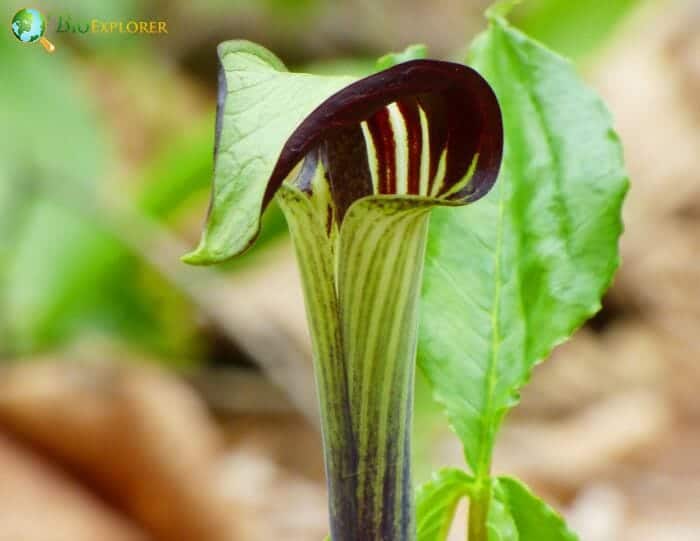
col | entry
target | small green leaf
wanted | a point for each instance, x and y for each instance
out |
(412, 52)
(500, 524)
(516, 514)
(510, 278)
(501, 8)
(437, 500)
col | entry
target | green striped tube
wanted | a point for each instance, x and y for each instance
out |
(361, 288)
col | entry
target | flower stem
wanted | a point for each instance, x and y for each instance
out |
(478, 512)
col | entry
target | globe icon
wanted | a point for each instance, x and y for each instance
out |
(29, 25)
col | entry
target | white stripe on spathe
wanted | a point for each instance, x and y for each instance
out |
(400, 134)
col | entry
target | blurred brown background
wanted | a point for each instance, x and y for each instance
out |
(141, 399)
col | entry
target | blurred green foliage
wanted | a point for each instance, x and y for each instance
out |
(63, 271)
(574, 29)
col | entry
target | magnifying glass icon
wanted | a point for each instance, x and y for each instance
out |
(29, 26)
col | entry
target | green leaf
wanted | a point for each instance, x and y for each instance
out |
(179, 172)
(437, 500)
(516, 514)
(508, 279)
(260, 107)
(412, 52)
(501, 8)
(576, 29)
(499, 523)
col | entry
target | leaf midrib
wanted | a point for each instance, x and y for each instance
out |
(483, 466)
(489, 419)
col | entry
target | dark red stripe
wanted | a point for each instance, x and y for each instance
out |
(411, 116)
(344, 155)
(385, 149)
(329, 219)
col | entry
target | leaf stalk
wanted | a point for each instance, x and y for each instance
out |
(478, 512)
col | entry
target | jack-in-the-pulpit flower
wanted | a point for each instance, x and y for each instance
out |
(356, 167)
